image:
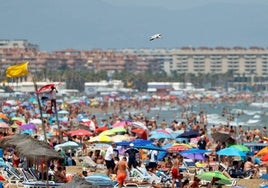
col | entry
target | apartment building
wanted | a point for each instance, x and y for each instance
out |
(96, 60)
(239, 60)
(17, 44)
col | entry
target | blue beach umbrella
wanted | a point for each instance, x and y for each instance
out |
(264, 176)
(160, 135)
(232, 152)
(149, 147)
(189, 134)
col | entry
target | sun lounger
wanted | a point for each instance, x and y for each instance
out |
(12, 172)
(33, 173)
(27, 176)
(88, 161)
(144, 175)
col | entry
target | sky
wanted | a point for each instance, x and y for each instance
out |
(119, 24)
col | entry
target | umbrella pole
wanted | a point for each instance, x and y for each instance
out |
(58, 123)
(40, 109)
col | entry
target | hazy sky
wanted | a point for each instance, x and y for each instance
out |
(117, 24)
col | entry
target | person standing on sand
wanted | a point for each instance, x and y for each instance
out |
(121, 168)
(53, 93)
(132, 156)
(110, 158)
(175, 171)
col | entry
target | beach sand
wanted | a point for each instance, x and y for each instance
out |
(249, 183)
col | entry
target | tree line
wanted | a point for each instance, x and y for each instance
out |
(76, 79)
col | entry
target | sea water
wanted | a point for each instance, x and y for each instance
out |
(248, 115)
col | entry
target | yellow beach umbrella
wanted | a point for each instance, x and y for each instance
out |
(120, 138)
(263, 151)
(3, 116)
(100, 138)
(107, 133)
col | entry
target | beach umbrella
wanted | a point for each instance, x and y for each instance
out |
(67, 145)
(28, 126)
(162, 131)
(46, 88)
(194, 153)
(138, 131)
(113, 131)
(149, 147)
(264, 157)
(263, 151)
(101, 146)
(160, 136)
(27, 131)
(208, 176)
(121, 124)
(240, 147)
(80, 132)
(18, 119)
(100, 138)
(178, 147)
(189, 134)
(195, 157)
(101, 129)
(221, 136)
(3, 116)
(11, 102)
(2, 178)
(136, 142)
(118, 130)
(138, 124)
(232, 152)
(264, 176)
(63, 112)
(119, 138)
(4, 125)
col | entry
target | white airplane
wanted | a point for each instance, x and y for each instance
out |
(156, 36)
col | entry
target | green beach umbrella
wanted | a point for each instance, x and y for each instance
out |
(240, 147)
(208, 176)
(118, 130)
(113, 131)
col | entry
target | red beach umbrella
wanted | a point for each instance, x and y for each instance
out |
(264, 158)
(178, 148)
(100, 129)
(80, 132)
(2, 178)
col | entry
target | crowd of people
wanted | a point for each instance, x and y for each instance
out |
(132, 157)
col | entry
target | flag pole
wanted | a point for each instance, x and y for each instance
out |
(40, 108)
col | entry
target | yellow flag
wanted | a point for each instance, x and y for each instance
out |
(17, 70)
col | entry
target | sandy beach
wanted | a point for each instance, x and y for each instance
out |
(249, 183)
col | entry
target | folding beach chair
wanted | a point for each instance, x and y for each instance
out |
(189, 166)
(27, 176)
(13, 172)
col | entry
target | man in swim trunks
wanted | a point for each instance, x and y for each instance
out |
(121, 168)
(175, 171)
